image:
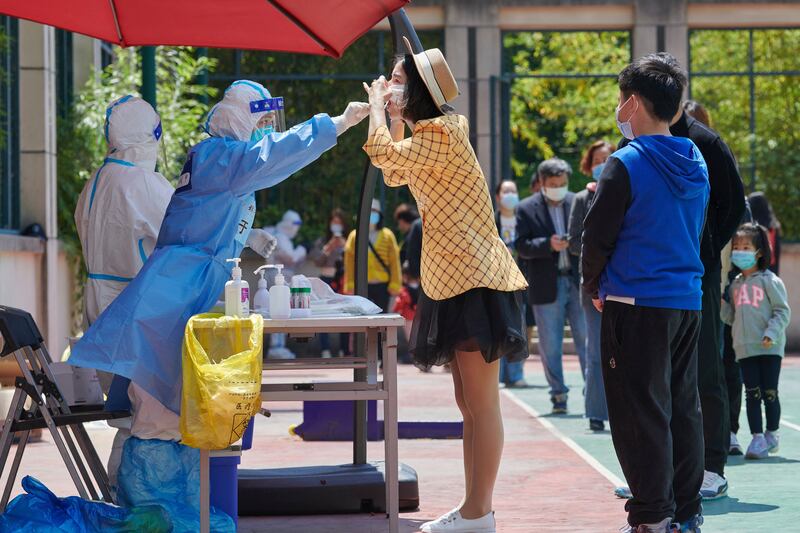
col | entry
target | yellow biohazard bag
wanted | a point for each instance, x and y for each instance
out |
(222, 362)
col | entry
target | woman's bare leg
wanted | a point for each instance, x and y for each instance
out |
(468, 428)
(481, 396)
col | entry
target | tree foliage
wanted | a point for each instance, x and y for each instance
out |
(559, 116)
(767, 154)
(181, 102)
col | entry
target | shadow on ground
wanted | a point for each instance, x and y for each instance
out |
(733, 505)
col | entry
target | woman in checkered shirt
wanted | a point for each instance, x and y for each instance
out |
(470, 309)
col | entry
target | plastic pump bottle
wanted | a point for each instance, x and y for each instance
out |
(280, 306)
(261, 299)
(237, 293)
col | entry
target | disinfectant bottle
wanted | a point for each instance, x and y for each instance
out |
(261, 299)
(237, 293)
(280, 306)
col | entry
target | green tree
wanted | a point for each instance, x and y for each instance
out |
(558, 115)
(767, 154)
(181, 102)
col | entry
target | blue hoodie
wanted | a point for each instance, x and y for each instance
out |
(656, 257)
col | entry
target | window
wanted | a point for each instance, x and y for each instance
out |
(557, 95)
(64, 73)
(748, 81)
(9, 125)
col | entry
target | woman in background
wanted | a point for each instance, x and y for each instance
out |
(328, 255)
(592, 164)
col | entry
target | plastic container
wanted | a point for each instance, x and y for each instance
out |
(261, 298)
(247, 438)
(301, 297)
(237, 293)
(224, 484)
(280, 306)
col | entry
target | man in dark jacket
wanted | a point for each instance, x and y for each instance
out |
(641, 266)
(542, 245)
(725, 211)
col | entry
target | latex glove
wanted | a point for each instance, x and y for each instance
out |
(261, 242)
(354, 113)
(300, 254)
(379, 92)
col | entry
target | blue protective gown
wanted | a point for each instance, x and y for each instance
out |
(139, 336)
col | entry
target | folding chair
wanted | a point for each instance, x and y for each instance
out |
(22, 339)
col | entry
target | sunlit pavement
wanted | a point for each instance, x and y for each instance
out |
(556, 474)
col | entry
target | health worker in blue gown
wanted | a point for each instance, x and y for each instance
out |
(208, 220)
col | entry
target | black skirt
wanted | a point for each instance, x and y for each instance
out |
(480, 320)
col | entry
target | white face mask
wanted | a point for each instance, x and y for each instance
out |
(555, 194)
(625, 128)
(398, 94)
(337, 229)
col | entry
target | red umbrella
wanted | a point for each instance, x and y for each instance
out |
(325, 27)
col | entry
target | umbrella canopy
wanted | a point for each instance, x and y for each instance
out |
(325, 27)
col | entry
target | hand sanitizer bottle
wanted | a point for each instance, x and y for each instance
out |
(261, 299)
(237, 293)
(279, 296)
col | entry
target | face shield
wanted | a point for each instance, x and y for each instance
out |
(273, 118)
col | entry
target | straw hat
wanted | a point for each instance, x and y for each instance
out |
(435, 73)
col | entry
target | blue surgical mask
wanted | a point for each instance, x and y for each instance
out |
(260, 133)
(743, 259)
(509, 200)
(374, 218)
(596, 171)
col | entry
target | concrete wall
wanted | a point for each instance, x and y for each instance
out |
(790, 274)
(34, 272)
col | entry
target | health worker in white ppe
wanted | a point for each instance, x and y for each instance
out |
(118, 215)
(208, 220)
(291, 257)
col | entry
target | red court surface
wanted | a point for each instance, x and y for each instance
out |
(543, 485)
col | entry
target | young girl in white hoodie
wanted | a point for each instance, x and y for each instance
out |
(759, 313)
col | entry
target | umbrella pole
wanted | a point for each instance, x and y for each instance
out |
(148, 54)
(401, 27)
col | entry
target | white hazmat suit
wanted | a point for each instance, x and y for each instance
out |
(118, 216)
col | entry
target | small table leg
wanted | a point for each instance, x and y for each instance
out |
(205, 493)
(390, 428)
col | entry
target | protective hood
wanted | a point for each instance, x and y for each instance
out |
(234, 116)
(290, 224)
(133, 131)
(678, 162)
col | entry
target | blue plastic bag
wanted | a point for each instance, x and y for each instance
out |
(41, 511)
(165, 473)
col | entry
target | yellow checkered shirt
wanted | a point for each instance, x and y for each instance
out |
(461, 247)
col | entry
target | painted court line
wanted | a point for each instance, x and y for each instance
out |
(790, 425)
(583, 454)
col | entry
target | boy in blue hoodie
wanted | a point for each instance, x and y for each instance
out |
(642, 268)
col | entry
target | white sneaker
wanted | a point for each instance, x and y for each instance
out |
(714, 486)
(773, 441)
(453, 522)
(758, 449)
(736, 448)
(326, 354)
(280, 353)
